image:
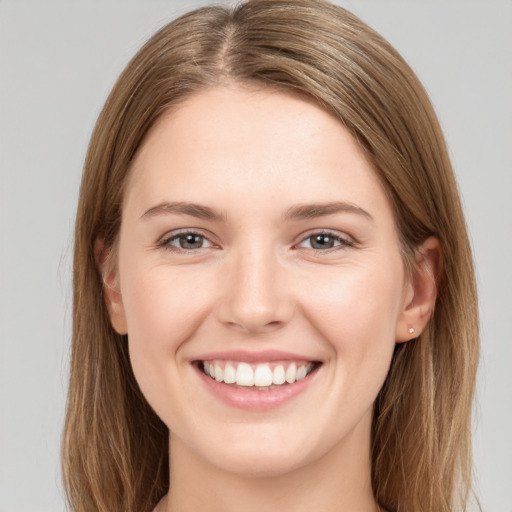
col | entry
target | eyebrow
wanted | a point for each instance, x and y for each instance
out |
(184, 208)
(299, 212)
(311, 211)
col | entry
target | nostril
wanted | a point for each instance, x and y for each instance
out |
(254, 326)
(255, 302)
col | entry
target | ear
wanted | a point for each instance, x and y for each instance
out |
(111, 289)
(421, 291)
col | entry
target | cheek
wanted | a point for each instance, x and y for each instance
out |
(162, 307)
(163, 311)
(356, 303)
(357, 314)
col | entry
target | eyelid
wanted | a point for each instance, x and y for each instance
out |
(163, 242)
(344, 239)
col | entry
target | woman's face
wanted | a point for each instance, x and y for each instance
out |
(257, 244)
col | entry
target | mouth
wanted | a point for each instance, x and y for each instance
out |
(264, 376)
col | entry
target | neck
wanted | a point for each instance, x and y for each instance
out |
(339, 480)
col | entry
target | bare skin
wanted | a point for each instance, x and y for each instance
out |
(255, 229)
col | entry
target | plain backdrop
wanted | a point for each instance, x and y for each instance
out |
(58, 61)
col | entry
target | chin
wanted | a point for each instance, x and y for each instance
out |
(264, 454)
(261, 463)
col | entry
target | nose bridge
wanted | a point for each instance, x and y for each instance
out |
(256, 298)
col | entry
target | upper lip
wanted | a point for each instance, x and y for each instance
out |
(261, 356)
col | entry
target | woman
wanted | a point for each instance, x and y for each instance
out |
(289, 316)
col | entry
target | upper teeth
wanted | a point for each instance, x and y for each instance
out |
(261, 375)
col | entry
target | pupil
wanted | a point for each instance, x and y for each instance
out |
(322, 242)
(191, 241)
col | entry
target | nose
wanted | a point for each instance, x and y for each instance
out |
(255, 297)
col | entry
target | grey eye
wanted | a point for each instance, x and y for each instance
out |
(320, 241)
(189, 241)
(324, 241)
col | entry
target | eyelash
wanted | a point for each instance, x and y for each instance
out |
(343, 242)
(165, 243)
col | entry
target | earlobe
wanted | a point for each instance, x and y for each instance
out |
(111, 289)
(422, 291)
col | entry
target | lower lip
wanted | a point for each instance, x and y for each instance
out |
(253, 399)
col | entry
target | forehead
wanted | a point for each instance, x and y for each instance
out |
(238, 142)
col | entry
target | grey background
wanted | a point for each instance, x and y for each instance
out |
(58, 61)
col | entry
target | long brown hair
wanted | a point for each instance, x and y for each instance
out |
(115, 448)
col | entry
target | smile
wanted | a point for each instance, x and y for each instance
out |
(257, 381)
(261, 377)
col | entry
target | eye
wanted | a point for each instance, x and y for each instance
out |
(324, 241)
(186, 241)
